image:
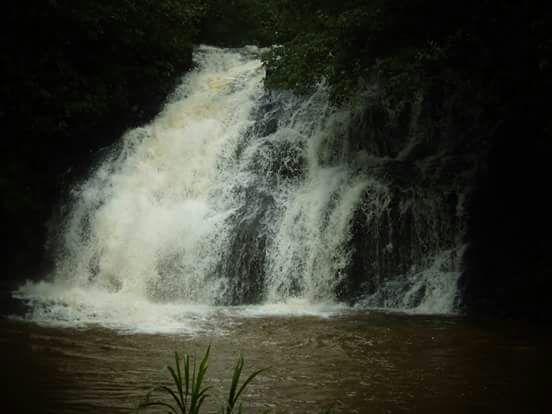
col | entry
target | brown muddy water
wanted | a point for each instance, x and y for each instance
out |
(354, 363)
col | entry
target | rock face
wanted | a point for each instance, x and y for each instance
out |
(408, 229)
(425, 152)
(457, 175)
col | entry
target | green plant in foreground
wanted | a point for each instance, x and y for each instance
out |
(189, 393)
(235, 392)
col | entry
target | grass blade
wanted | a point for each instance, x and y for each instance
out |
(175, 397)
(186, 378)
(235, 392)
(234, 385)
(179, 383)
(248, 380)
(197, 381)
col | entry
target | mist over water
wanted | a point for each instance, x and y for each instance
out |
(231, 196)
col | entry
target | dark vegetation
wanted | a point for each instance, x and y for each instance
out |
(490, 60)
(76, 74)
(189, 391)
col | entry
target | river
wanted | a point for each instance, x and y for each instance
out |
(353, 362)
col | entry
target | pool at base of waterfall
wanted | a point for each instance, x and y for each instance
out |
(345, 361)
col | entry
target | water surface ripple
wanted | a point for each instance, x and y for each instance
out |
(352, 363)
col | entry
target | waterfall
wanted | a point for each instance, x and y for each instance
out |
(234, 195)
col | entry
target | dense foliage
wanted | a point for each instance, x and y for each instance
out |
(74, 76)
(349, 41)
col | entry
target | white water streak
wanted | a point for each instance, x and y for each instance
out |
(147, 232)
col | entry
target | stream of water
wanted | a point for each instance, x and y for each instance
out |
(353, 363)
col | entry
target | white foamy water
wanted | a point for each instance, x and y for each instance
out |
(437, 284)
(231, 196)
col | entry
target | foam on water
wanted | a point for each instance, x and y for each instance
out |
(75, 307)
(291, 307)
(437, 284)
(70, 306)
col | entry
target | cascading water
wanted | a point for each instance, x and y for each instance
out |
(234, 195)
